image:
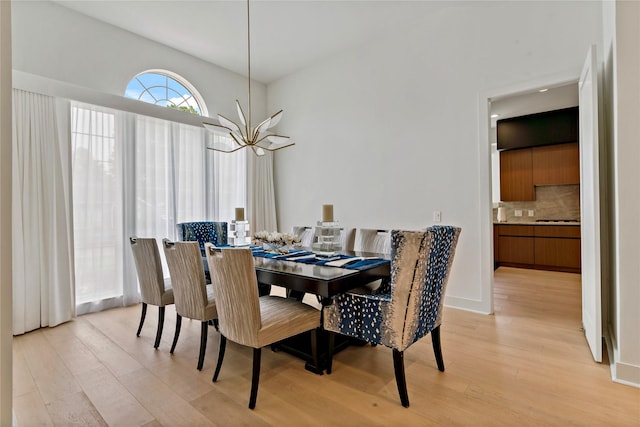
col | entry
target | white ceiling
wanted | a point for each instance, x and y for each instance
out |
(285, 35)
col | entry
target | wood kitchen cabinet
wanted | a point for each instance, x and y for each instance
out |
(543, 247)
(556, 164)
(515, 244)
(516, 175)
(522, 169)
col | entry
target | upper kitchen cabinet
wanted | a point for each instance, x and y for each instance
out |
(550, 127)
(516, 175)
(538, 149)
(556, 164)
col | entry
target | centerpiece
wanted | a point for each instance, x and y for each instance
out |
(273, 241)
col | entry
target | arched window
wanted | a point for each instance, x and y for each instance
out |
(167, 89)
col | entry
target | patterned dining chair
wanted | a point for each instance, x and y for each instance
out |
(193, 298)
(250, 320)
(420, 266)
(154, 288)
(202, 232)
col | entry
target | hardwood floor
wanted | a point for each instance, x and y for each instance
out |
(526, 365)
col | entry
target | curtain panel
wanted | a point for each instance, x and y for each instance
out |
(43, 270)
(139, 176)
(85, 178)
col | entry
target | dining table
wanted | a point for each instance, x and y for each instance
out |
(303, 272)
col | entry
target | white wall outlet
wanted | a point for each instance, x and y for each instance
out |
(437, 216)
(531, 212)
(517, 212)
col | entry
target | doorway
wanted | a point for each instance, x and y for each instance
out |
(589, 172)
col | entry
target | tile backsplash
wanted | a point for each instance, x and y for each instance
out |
(552, 202)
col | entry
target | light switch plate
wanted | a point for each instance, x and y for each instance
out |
(437, 216)
(517, 212)
(531, 212)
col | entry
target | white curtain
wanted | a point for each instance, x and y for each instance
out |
(129, 175)
(137, 175)
(43, 278)
(260, 187)
(98, 203)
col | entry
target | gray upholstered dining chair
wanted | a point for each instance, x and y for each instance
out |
(154, 288)
(372, 240)
(375, 241)
(347, 238)
(420, 266)
(250, 320)
(305, 233)
(193, 298)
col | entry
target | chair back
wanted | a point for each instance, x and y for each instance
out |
(187, 278)
(305, 233)
(203, 231)
(149, 268)
(372, 240)
(347, 237)
(235, 287)
(420, 266)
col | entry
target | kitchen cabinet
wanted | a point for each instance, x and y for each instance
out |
(515, 244)
(549, 127)
(542, 247)
(516, 175)
(556, 164)
(522, 169)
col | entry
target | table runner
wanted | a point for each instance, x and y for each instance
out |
(308, 257)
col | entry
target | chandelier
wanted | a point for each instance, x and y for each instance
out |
(244, 134)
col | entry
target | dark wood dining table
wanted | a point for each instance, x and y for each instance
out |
(323, 281)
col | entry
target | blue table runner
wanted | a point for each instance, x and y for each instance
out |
(308, 257)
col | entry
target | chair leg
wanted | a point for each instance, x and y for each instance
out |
(177, 334)
(160, 326)
(401, 382)
(203, 343)
(216, 324)
(142, 316)
(437, 349)
(223, 345)
(330, 355)
(255, 378)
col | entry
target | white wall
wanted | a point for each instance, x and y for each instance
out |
(622, 96)
(6, 335)
(391, 132)
(55, 42)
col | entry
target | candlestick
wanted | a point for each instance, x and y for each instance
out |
(239, 214)
(327, 213)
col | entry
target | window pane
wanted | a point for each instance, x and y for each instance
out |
(134, 89)
(163, 90)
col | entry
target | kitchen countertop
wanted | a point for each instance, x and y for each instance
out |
(537, 223)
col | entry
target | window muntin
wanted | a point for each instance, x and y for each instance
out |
(167, 90)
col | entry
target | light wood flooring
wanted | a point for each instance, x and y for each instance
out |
(526, 365)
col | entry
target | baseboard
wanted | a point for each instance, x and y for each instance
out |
(466, 304)
(624, 373)
(621, 373)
